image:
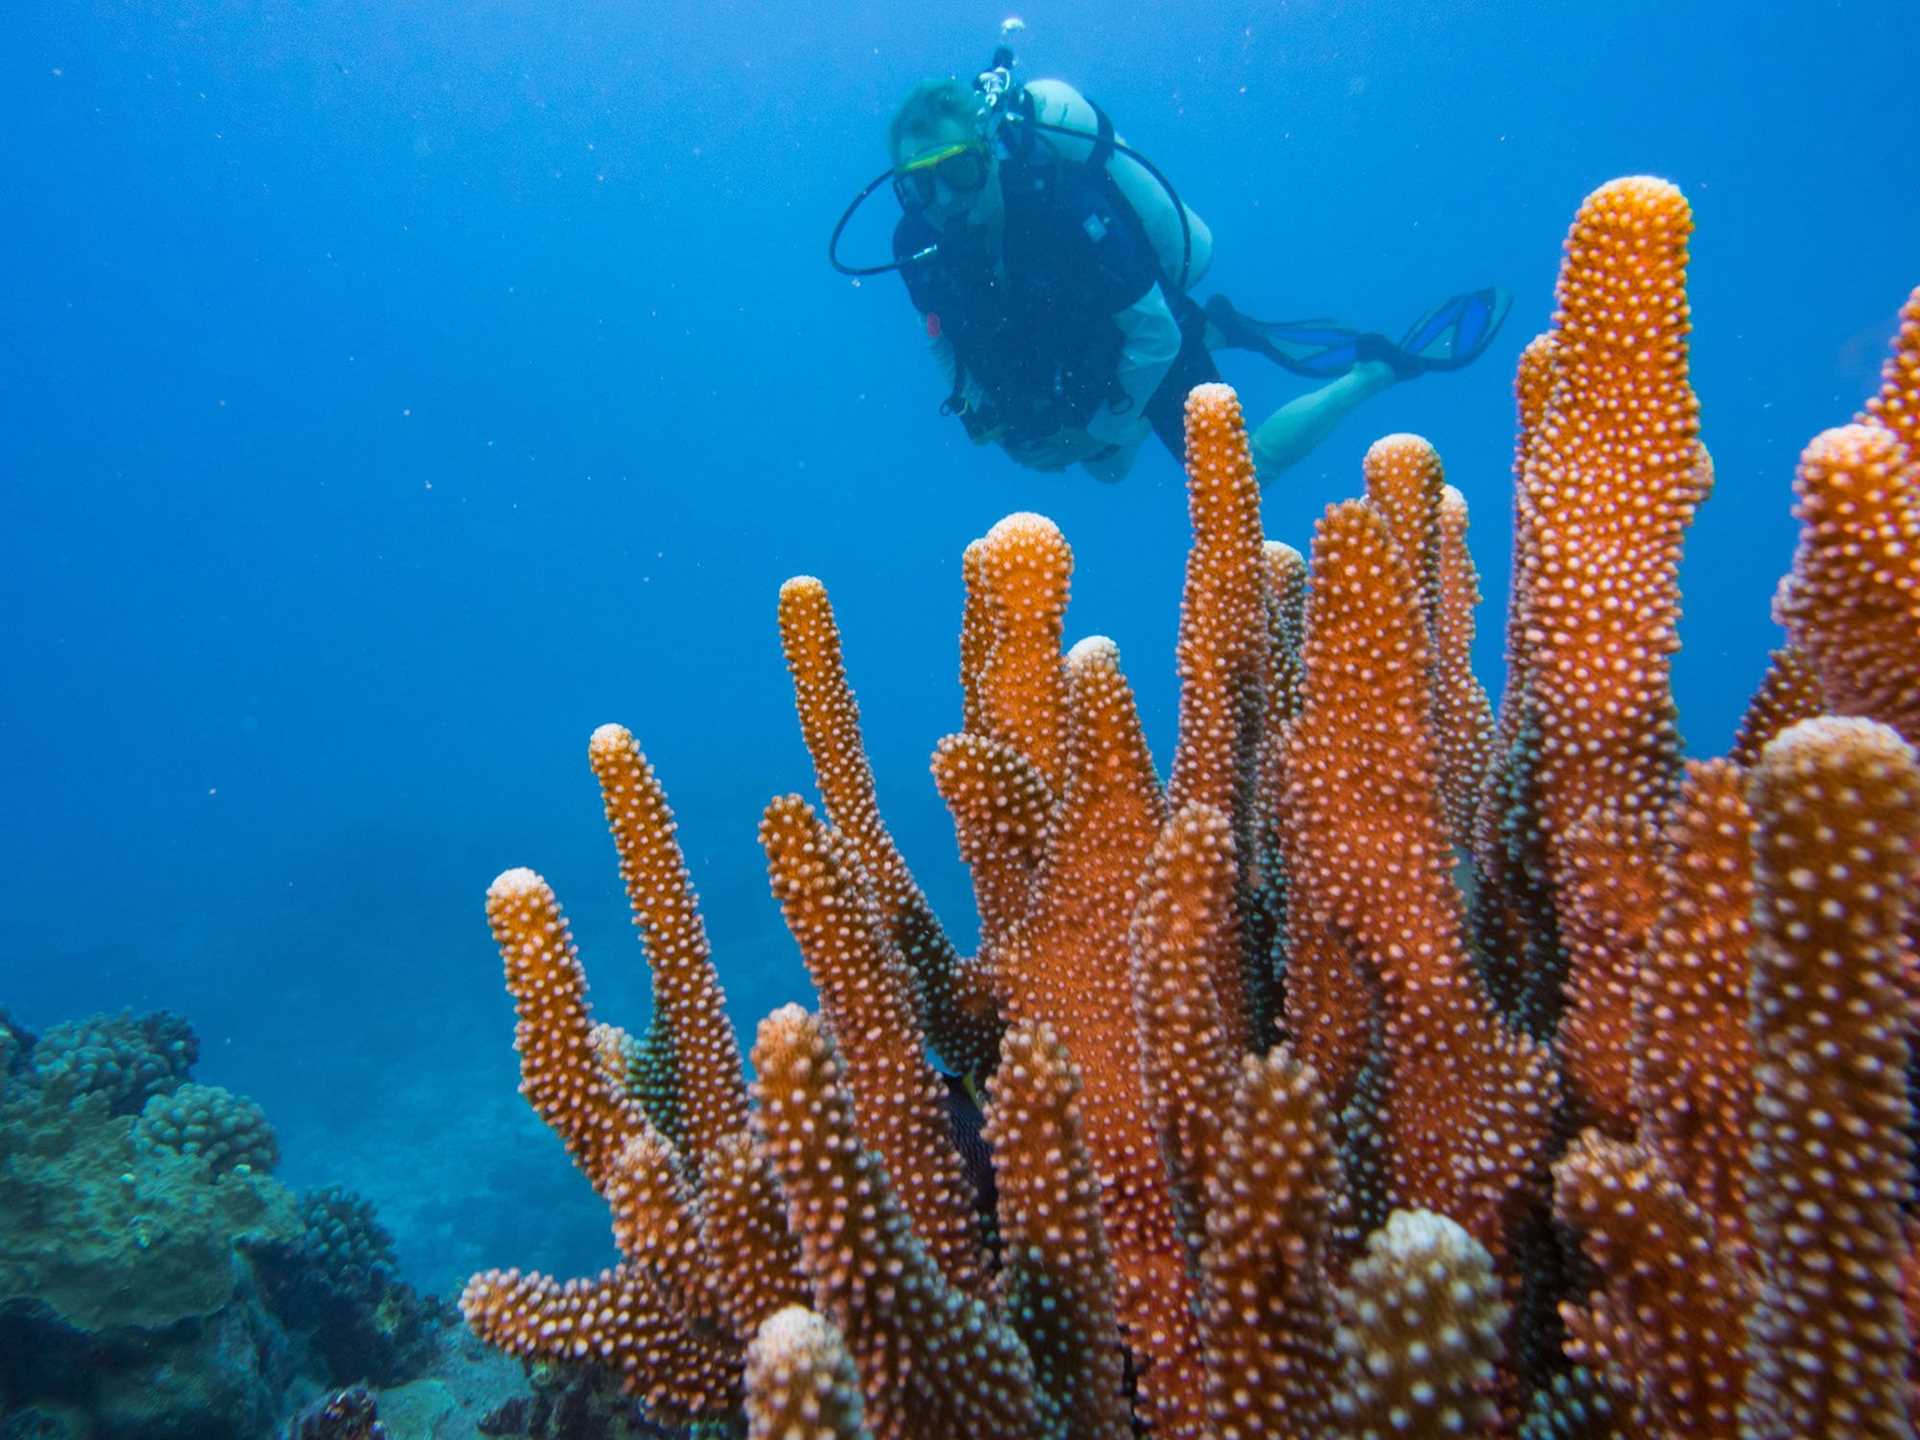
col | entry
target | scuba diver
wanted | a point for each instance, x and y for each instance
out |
(1053, 267)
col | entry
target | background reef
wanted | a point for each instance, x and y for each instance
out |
(156, 1280)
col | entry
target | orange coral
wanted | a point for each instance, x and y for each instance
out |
(1462, 714)
(1751, 1243)
(711, 1087)
(617, 1321)
(830, 725)
(1421, 1331)
(1000, 804)
(1836, 858)
(560, 1073)
(1748, 1266)
(1667, 1329)
(1532, 386)
(1789, 692)
(1183, 922)
(1066, 963)
(1264, 936)
(1611, 470)
(932, 1361)
(1220, 654)
(1469, 1101)
(976, 638)
(1221, 658)
(800, 1381)
(623, 1319)
(1405, 480)
(752, 1258)
(1612, 478)
(1267, 1269)
(1513, 913)
(866, 991)
(1896, 408)
(1609, 898)
(1286, 586)
(1692, 1058)
(1852, 603)
(1012, 660)
(1057, 1288)
(653, 1225)
(659, 1320)
(1428, 520)
(1333, 1002)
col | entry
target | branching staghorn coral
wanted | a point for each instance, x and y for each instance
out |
(1421, 1329)
(1385, 1223)
(800, 1381)
(1852, 603)
(1836, 859)
(931, 1360)
(867, 991)
(1057, 1275)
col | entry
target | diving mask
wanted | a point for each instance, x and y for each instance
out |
(962, 167)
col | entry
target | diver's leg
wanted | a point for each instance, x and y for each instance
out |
(1292, 431)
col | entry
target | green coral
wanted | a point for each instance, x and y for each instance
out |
(653, 1077)
(108, 1231)
(1575, 1407)
(227, 1131)
(125, 1057)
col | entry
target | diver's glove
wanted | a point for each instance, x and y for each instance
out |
(1057, 451)
(984, 424)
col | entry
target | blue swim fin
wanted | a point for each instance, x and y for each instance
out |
(1316, 349)
(1455, 332)
(1452, 334)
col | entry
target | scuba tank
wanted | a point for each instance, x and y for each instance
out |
(1070, 123)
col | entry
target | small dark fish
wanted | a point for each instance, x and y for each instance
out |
(968, 1123)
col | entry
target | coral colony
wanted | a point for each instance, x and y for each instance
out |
(1394, 1068)
(156, 1279)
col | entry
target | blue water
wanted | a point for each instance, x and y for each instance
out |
(392, 392)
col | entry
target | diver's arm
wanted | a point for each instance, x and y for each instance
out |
(1151, 341)
(1292, 431)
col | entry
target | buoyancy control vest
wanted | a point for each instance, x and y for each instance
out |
(1033, 327)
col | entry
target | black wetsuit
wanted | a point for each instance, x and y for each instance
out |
(1042, 345)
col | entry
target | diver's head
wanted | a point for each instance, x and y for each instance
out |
(942, 167)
